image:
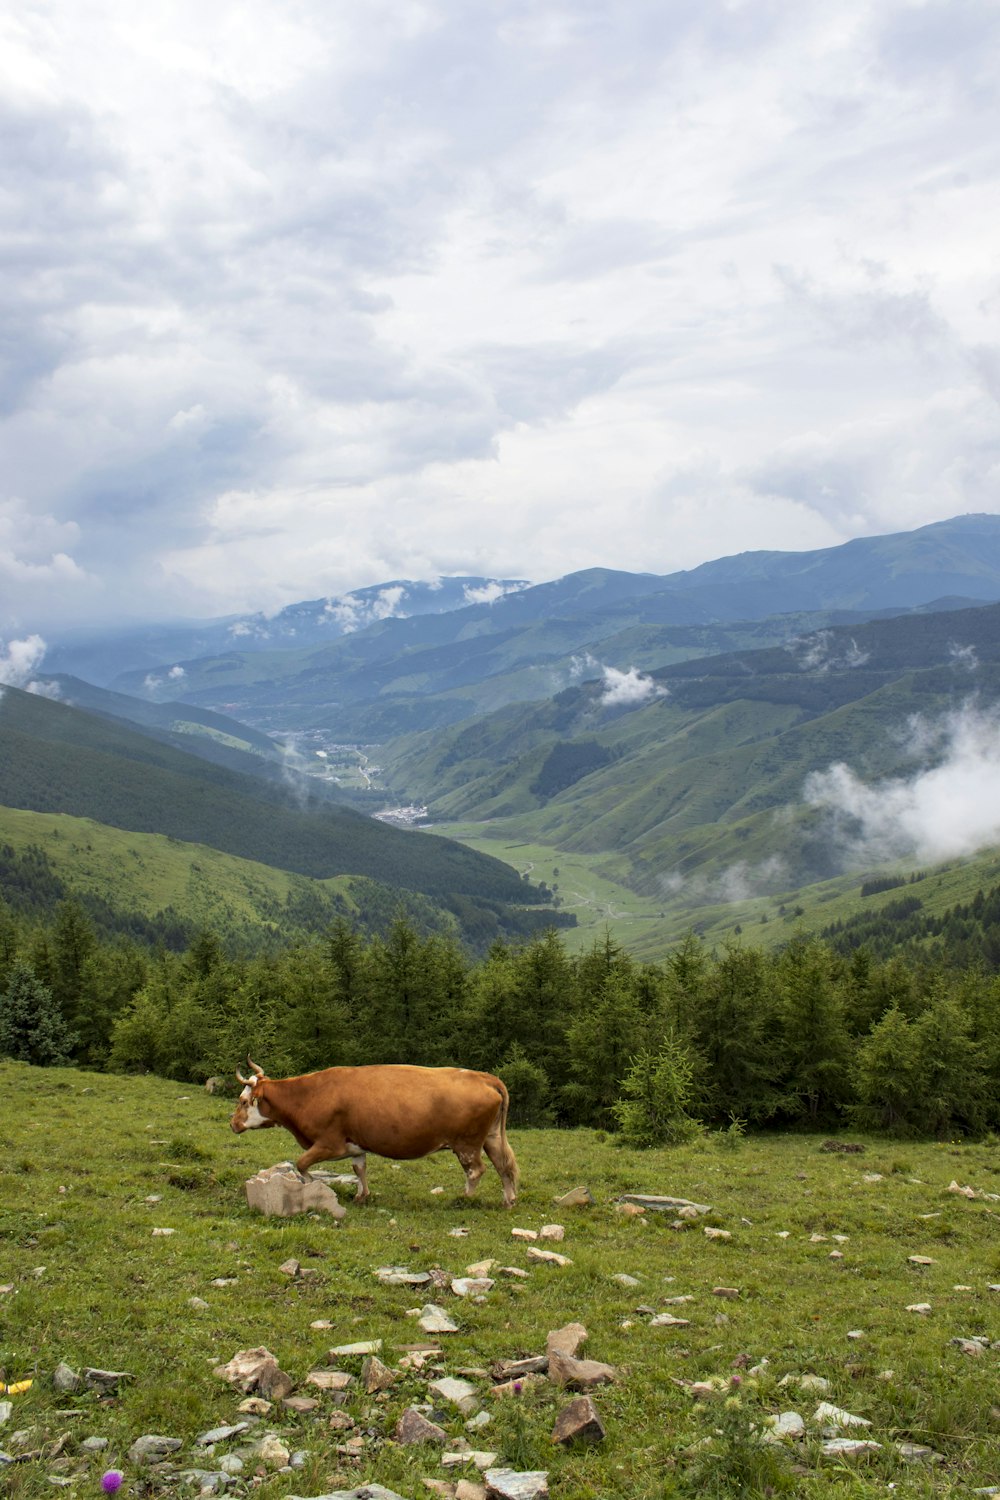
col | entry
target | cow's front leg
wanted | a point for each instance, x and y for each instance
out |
(309, 1158)
(474, 1167)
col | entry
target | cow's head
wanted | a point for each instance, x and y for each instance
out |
(249, 1112)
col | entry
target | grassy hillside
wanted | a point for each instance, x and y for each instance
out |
(60, 760)
(818, 1263)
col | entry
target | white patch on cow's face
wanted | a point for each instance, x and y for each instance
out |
(253, 1118)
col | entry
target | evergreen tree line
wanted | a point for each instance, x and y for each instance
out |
(801, 1036)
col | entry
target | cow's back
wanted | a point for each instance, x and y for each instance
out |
(402, 1111)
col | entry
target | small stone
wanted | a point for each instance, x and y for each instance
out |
(480, 1420)
(256, 1370)
(371, 1346)
(552, 1232)
(149, 1448)
(514, 1387)
(918, 1453)
(624, 1279)
(836, 1255)
(413, 1427)
(578, 1197)
(459, 1234)
(515, 1272)
(220, 1434)
(231, 1463)
(579, 1374)
(630, 1210)
(104, 1381)
(579, 1420)
(856, 1334)
(509, 1484)
(919, 1307)
(481, 1459)
(480, 1268)
(850, 1447)
(831, 1418)
(198, 1304)
(273, 1453)
(550, 1257)
(716, 1234)
(471, 1286)
(815, 1383)
(163, 1233)
(921, 1260)
(459, 1393)
(566, 1341)
(536, 1364)
(256, 1406)
(722, 1291)
(788, 1424)
(290, 1267)
(375, 1376)
(523, 1234)
(667, 1320)
(65, 1380)
(434, 1319)
(965, 1192)
(302, 1405)
(94, 1444)
(436, 1192)
(330, 1380)
(465, 1489)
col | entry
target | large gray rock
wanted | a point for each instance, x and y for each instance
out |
(661, 1204)
(65, 1380)
(280, 1190)
(508, 1484)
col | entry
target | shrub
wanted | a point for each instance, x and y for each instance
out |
(655, 1094)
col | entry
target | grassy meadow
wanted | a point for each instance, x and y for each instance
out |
(83, 1279)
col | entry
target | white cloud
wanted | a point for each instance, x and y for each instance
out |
(629, 689)
(490, 592)
(19, 660)
(304, 297)
(823, 652)
(946, 809)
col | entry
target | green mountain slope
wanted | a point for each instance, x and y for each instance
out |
(54, 758)
(707, 774)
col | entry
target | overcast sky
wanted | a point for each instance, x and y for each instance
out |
(301, 295)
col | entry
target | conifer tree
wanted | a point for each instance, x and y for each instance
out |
(32, 1028)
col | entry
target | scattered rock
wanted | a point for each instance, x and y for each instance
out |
(104, 1381)
(459, 1393)
(375, 1376)
(624, 1279)
(720, 1291)
(716, 1234)
(290, 1267)
(280, 1191)
(918, 1453)
(163, 1233)
(565, 1341)
(434, 1319)
(508, 1484)
(850, 1447)
(579, 1420)
(472, 1286)
(370, 1346)
(413, 1427)
(659, 1204)
(511, 1369)
(579, 1374)
(552, 1232)
(65, 1380)
(330, 1380)
(578, 1197)
(459, 1234)
(966, 1192)
(630, 1210)
(667, 1320)
(919, 1307)
(400, 1276)
(257, 1406)
(513, 1271)
(256, 1370)
(198, 1304)
(788, 1424)
(921, 1260)
(475, 1456)
(550, 1257)
(480, 1268)
(273, 1453)
(303, 1405)
(152, 1447)
(832, 1418)
(514, 1387)
(523, 1234)
(815, 1383)
(221, 1434)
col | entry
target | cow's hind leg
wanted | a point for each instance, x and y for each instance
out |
(503, 1158)
(473, 1167)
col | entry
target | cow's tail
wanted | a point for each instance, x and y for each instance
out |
(498, 1148)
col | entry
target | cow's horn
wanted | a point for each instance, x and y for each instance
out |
(259, 1072)
(240, 1077)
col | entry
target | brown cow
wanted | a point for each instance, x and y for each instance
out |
(392, 1109)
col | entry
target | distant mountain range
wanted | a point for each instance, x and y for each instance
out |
(661, 729)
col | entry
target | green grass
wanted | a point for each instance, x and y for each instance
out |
(148, 872)
(114, 1296)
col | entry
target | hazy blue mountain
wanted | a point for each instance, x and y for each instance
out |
(102, 655)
